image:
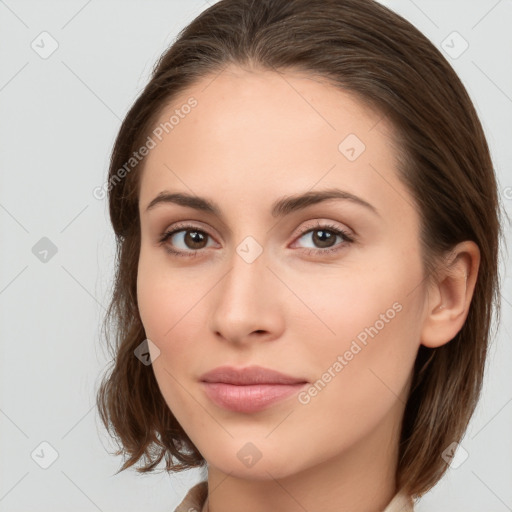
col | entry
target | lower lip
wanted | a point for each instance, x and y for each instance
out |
(249, 398)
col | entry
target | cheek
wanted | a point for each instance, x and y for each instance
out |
(166, 311)
(362, 375)
(168, 303)
(162, 300)
(375, 302)
(364, 363)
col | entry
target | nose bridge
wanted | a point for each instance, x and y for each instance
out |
(245, 281)
(245, 299)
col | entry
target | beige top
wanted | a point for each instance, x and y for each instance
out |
(195, 500)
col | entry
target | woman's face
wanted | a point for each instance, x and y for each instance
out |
(279, 287)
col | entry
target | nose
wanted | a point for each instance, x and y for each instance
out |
(248, 302)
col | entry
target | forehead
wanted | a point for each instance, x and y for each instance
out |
(241, 104)
(252, 128)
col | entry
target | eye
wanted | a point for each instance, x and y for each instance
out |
(192, 238)
(324, 235)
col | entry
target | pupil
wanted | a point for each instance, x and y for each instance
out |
(322, 239)
(195, 237)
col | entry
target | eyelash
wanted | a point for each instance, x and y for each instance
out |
(348, 239)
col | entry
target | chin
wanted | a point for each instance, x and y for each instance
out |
(252, 463)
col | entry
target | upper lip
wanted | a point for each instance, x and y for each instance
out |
(249, 375)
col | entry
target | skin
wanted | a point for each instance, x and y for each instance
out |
(256, 136)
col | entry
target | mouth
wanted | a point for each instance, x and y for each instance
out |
(249, 399)
(249, 375)
(249, 389)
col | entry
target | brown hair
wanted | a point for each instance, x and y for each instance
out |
(365, 49)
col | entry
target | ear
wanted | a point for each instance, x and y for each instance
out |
(450, 296)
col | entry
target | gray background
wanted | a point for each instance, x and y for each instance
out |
(60, 115)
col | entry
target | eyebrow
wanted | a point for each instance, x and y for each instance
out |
(280, 208)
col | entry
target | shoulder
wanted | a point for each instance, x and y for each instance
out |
(195, 498)
(401, 502)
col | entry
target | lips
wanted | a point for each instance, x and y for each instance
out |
(249, 390)
(249, 376)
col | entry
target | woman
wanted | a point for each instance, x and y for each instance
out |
(307, 223)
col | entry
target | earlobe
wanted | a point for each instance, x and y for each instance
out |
(448, 300)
